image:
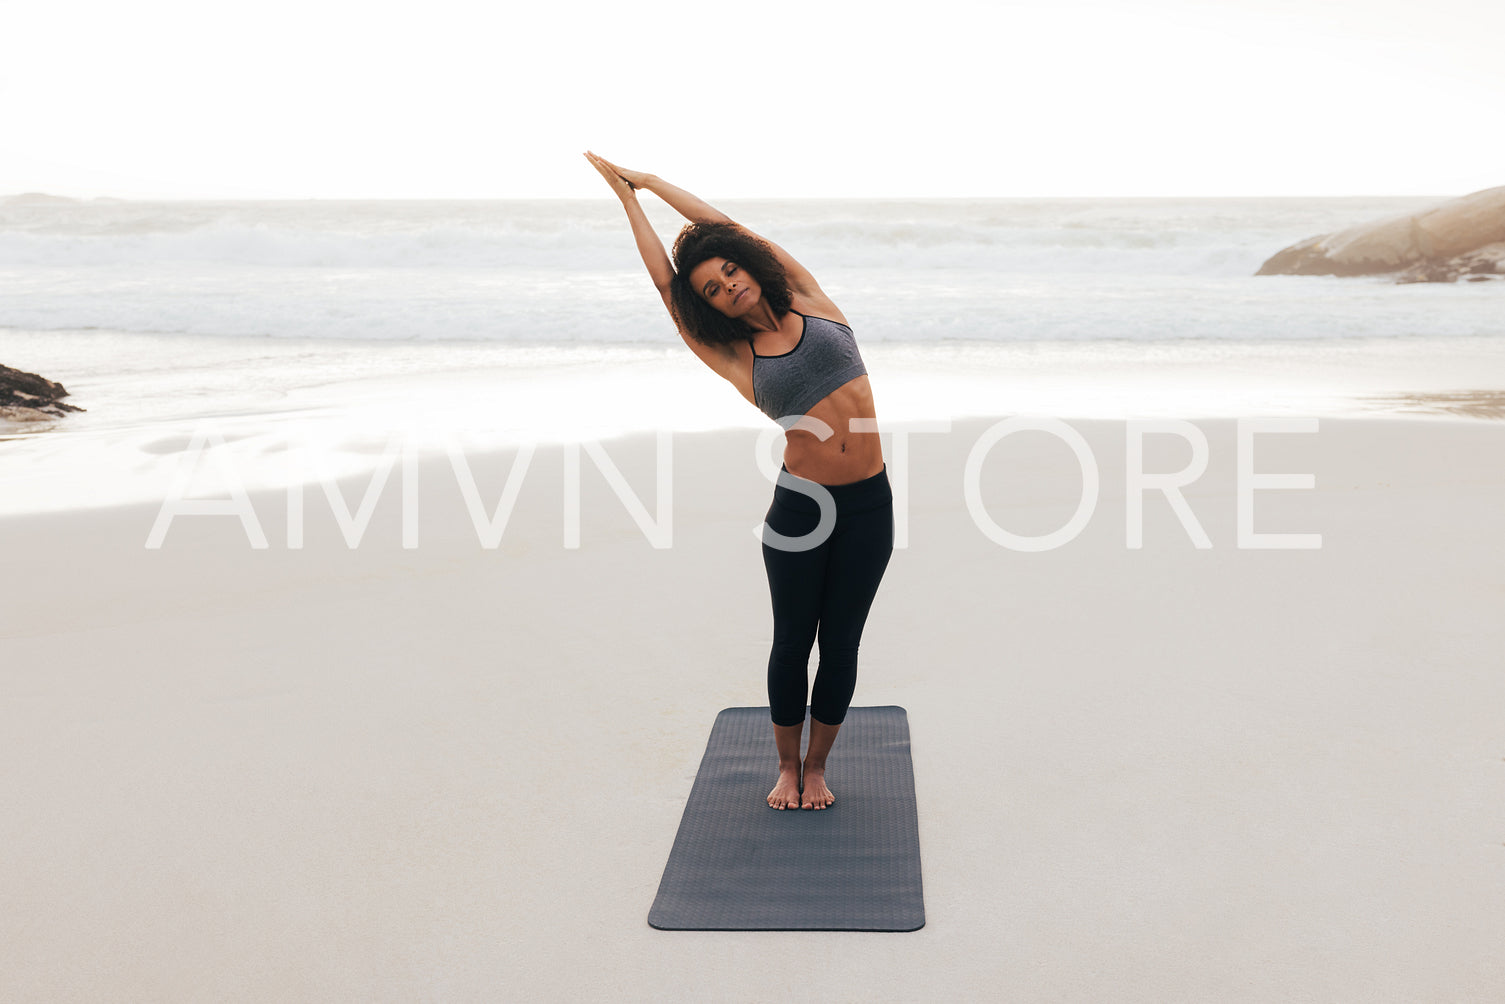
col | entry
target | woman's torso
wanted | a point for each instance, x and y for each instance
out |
(852, 450)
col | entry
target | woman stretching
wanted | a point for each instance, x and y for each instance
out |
(756, 316)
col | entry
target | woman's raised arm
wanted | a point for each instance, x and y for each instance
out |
(697, 210)
(721, 358)
(649, 246)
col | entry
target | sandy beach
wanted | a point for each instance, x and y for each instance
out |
(451, 772)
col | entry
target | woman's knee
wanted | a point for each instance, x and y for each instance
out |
(842, 651)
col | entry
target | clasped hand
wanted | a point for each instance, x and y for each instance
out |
(622, 180)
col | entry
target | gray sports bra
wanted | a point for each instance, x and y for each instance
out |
(822, 360)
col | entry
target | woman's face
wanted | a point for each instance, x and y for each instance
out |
(726, 286)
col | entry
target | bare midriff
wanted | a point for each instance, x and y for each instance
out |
(848, 454)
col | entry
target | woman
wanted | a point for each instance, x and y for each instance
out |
(757, 317)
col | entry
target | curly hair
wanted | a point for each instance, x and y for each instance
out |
(700, 241)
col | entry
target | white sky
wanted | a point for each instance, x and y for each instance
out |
(438, 99)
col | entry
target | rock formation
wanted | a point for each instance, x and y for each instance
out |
(1461, 238)
(26, 395)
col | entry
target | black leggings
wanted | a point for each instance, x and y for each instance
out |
(823, 591)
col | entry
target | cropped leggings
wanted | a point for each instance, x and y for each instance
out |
(823, 591)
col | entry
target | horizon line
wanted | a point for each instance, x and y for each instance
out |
(45, 195)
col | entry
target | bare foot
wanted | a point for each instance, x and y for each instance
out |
(786, 794)
(817, 795)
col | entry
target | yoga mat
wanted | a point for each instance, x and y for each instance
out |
(738, 865)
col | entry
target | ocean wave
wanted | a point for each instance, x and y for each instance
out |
(1199, 237)
(559, 271)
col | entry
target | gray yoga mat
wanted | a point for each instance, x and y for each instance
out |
(738, 865)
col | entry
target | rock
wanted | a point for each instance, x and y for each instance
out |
(1488, 260)
(24, 395)
(1435, 245)
(1479, 265)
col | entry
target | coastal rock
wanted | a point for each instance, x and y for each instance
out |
(1479, 265)
(1441, 244)
(24, 395)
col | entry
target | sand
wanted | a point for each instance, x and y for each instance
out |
(449, 772)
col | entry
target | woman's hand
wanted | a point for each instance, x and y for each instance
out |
(649, 246)
(618, 181)
(637, 179)
(625, 182)
(619, 184)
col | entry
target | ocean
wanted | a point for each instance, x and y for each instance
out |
(534, 320)
(565, 272)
